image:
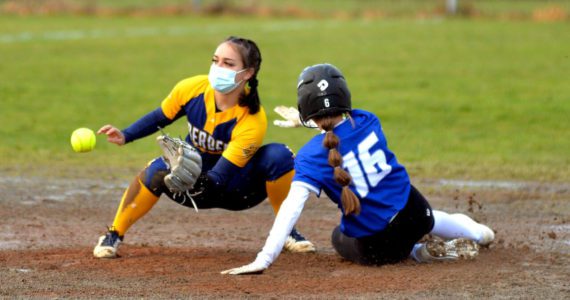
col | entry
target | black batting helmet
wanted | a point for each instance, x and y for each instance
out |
(322, 91)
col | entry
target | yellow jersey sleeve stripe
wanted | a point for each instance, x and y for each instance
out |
(183, 92)
(247, 137)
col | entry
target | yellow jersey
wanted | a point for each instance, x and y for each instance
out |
(234, 133)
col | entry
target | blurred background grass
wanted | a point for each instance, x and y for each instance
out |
(482, 94)
(324, 8)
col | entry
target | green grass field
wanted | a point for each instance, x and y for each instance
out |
(388, 7)
(470, 99)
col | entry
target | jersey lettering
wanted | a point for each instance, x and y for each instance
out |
(204, 140)
(351, 163)
(374, 165)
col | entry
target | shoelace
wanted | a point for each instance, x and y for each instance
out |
(297, 236)
(110, 239)
(189, 196)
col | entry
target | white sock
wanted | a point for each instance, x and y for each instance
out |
(452, 226)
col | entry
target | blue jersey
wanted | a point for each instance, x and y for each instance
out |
(379, 181)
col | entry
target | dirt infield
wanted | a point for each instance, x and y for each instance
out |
(49, 227)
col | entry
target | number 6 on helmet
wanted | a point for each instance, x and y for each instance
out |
(327, 96)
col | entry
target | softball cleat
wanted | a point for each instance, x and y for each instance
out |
(487, 236)
(108, 245)
(452, 250)
(298, 243)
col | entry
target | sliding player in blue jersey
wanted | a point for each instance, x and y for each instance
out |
(226, 124)
(383, 215)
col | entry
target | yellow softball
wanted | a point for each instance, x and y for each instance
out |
(83, 140)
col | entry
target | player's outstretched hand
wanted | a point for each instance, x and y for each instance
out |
(114, 135)
(252, 268)
(291, 116)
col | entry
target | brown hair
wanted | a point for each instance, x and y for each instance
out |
(350, 201)
(251, 57)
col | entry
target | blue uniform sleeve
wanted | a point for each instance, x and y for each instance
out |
(221, 174)
(306, 172)
(146, 125)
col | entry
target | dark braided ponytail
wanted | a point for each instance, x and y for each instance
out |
(251, 57)
(350, 201)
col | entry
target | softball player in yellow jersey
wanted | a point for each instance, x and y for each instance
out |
(227, 124)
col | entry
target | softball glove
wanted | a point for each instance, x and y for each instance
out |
(184, 162)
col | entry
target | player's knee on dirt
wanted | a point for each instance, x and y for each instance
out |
(345, 246)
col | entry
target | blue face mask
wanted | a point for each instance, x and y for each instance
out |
(223, 80)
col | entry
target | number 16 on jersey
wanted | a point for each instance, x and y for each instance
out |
(367, 169)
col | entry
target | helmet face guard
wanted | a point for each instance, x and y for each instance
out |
(322, 91)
